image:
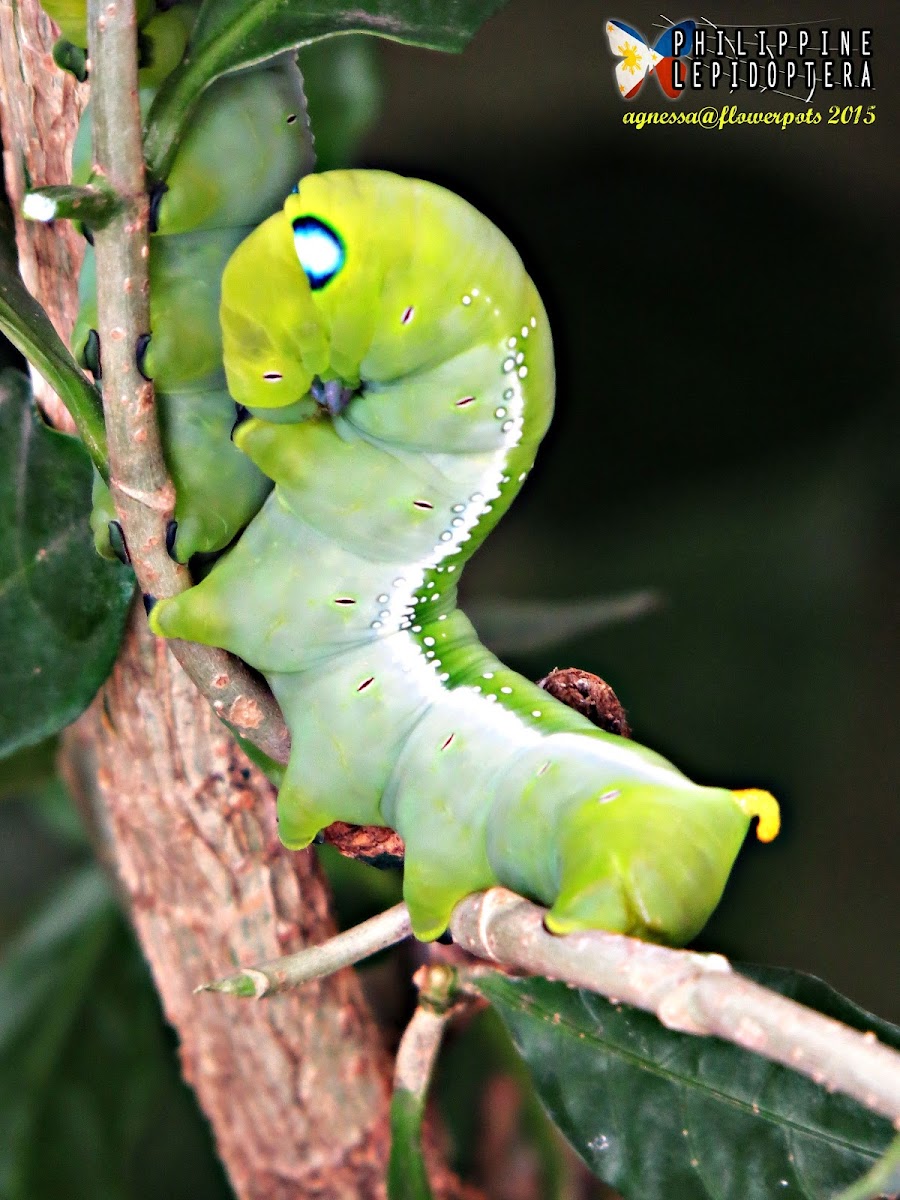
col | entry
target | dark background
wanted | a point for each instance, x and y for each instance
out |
(723, 306)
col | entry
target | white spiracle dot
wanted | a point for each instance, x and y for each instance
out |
(467, 300)
(506, 691)
(499, 412)
(523, 371)
(536, 712)
(488, 675)
(476, 292)
(382, 599)
(456, 522)
(524, 331)
(508, 394)
(446, 535)
(506, 426)
(511, 343)
(375, 625)
(508, 365)
(429, 641)
(444, 676)
(520, 357)
(533, 322)
(458, 508)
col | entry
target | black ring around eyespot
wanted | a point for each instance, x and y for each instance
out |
(320, 250)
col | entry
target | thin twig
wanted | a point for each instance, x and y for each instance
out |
(93, 206)
(347, 948)
(439, 1000)
(693, 993)
(140, 483)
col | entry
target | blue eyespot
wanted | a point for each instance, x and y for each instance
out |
(320, 250)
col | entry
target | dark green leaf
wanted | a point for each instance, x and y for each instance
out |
(231, 34)
(62, 609)
(342, 81)
(91, 1106)
(527, 626)
(30, 330)
(659, 1114)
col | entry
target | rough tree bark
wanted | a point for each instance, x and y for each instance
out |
(295, 1088)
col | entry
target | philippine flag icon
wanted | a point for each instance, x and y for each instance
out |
(639, 60)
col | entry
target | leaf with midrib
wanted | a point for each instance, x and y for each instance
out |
(62, 608)
(230, 34)
(661, 1115)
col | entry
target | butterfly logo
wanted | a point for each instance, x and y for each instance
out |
(640, 61)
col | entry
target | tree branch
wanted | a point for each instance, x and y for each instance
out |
(693, 993)
(140, 483)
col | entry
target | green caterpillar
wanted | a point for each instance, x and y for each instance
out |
(398, 364)
(244, 149)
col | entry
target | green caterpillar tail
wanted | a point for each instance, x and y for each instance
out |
(244, 149)
(398, 363)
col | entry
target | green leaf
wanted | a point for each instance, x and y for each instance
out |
(31, 331)
(62, 609)
(231, 34)
(527, 626)
(661, 1115)
(342, 81)
(91, 1106)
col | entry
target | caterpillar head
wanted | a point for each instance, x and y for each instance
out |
(364, 275)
